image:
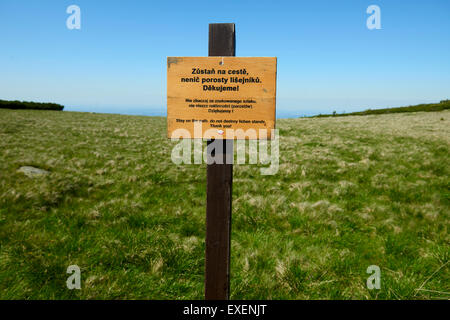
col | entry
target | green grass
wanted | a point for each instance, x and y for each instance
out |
(430, 107)
(350, 192)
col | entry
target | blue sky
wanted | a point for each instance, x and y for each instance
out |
(327, 58)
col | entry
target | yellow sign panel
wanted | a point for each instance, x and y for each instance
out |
(221, 97)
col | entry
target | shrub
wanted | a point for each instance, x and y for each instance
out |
(5, 104)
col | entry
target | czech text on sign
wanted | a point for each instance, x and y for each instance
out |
(221, 97)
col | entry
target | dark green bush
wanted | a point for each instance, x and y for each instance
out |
(30, 105)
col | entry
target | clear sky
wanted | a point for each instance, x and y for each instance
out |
(327, 57)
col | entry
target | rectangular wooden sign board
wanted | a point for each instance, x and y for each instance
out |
(221, 97)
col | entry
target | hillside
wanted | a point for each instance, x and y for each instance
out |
(430, 107)
(350, 192)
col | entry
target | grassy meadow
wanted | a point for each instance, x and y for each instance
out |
(350, 192)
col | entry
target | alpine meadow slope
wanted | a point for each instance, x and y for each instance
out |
(350, 192)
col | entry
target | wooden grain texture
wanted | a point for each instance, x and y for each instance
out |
(219, 193)
(222, 39)
(226, 114)
(218, 228)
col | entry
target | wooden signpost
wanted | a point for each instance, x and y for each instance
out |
(222, 93)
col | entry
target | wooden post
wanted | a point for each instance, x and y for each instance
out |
(222, 42)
